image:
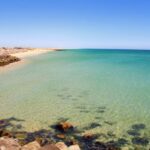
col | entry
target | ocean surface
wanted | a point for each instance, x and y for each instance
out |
(98, 91)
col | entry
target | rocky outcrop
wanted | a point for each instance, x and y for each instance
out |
(74, 147)
(61, 146)
(9, 144)
(13, 144)
(7, 59)
(31, 146)
(49, 147)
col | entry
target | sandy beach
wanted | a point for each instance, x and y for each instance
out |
(22, 54)
(33, 52)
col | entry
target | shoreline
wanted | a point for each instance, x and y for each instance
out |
(22, 54)
(64, 132)
(33, 52)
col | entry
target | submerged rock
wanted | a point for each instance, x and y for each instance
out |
(101, 146)
(88, 138)
(133, 133)
(92, 126)
(138, 126)
(4, 123)
(140, 141)
(64, 127)
(121, 142)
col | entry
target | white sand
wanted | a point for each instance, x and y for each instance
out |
(31, 53)
(23, 56)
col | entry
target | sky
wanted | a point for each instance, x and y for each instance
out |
(75, 23)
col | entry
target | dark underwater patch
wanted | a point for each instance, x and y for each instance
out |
(100, 111)
(92, 126)
(133, 132)
(121, 142)
(111, 134)
(138, 126)
(99, 118)
(140, 141)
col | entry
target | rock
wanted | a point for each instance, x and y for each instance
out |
(74, 147)
(4, 122)
(31, 146)
(49, 147)
(7, 59)
(61, 146)
(88, 136)
(6, 133)
(60, 136)
(43, 141)
(9, 144)
(72, 141)
(21, 136)
(64, 127)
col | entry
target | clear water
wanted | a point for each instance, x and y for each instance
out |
(73, 84)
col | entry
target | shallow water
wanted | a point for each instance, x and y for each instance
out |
(108, 87)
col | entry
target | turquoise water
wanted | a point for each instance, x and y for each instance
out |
(109, 87)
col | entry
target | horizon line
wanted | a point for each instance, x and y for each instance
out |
(77, 48)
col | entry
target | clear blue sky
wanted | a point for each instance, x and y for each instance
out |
(75, 23)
